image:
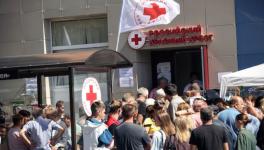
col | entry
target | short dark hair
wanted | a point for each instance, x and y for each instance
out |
(96, 107)
(206, 114)
(59, 103)
(162, 79)
(128, 111)
(17, 119)
(24, 113)
(215, 109)
(244, 118)
(171, 90)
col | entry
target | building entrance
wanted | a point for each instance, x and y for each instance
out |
(177, 66)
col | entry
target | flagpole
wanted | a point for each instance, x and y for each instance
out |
(119, 27)
(118, 37)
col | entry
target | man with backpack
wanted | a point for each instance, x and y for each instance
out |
(95, 133)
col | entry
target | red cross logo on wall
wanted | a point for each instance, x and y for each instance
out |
(136, 39)
(90, 93)
(91, 96)
(155, 11)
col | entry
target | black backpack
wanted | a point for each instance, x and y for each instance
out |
(170, 143)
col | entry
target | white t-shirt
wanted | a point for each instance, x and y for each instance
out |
(158, 140)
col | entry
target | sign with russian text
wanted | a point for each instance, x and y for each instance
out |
(177, 35)
(90, 92)
(168, 36)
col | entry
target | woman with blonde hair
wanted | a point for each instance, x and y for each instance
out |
(167, 129)
(184, 109)
(183, 133)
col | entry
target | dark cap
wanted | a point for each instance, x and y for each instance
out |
(215, 109)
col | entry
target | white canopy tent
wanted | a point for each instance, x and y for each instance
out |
(253, 76)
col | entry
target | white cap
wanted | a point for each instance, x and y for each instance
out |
(150, 102)
(160, 92)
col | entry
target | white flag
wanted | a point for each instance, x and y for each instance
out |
(137, 14)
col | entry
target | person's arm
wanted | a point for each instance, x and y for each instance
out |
(226, 146)
(184, 112)
(193, 147)
(57, 135)
(146, 141)
(60, 131)
(252, 110)
(193, 140)
(25, 139)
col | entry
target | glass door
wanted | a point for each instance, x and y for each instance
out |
(89, 85)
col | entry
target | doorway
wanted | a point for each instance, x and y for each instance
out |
(177, 66)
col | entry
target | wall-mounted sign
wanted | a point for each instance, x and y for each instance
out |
(176, 35)
(31, 86)
(126, 77)
(164, 70)
(136, 39)
(90, 92)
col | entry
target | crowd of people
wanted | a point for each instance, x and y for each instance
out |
(157, 120)
(49, 129)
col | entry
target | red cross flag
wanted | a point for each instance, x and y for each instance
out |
(137, 14)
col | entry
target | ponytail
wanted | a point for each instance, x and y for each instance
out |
(244, 118)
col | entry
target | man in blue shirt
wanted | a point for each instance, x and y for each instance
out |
(37, 133)
(228, 116)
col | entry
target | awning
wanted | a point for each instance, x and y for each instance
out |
(253, 76)
(11, 67)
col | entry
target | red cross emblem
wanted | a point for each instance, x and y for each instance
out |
(136, 39)
(155, 11)
(91, 96)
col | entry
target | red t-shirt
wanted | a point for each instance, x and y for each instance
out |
(111, 121)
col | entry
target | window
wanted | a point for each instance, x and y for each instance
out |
(83, 33)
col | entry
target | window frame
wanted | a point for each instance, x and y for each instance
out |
(80, 46)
